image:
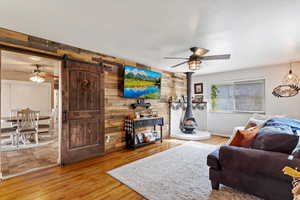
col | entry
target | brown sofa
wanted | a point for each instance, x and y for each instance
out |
(252, 171)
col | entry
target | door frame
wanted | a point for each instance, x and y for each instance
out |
(62, 60)
(44, 55)
(0, 115)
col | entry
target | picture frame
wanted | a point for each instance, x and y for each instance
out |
(198, 88)
(141, 83)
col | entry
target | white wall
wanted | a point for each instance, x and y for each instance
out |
(223, 123)
(22, 94)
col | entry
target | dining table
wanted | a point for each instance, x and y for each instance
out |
(14, 119)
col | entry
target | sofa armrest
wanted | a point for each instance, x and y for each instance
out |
(256, 162)
(213, 160)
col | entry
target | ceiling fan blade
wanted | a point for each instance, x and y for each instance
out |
(54, 76)
(48, 75)
(199, 51)
(216, 57)
(179, 64)
(176, 58)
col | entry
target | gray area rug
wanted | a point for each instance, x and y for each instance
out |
(179, 173)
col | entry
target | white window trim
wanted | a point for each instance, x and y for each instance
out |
(233, 82)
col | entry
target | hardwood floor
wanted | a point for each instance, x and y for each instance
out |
(85, 180)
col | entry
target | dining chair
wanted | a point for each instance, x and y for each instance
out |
(13, 125)
(27, 124)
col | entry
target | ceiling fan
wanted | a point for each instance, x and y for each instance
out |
(39, 76)
(197, 57)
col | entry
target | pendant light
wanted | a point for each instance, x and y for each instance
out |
(290, 78)
(289, 87)
(36, 75)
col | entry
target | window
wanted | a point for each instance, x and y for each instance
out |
(242, 96)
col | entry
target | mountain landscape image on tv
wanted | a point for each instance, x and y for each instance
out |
(141, 83)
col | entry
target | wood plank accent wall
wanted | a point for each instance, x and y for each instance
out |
(116, 107)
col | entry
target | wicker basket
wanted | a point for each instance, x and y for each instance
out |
(296, 188)
(295, 174)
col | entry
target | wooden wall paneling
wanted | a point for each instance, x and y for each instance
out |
(117, 107)
(13, 35)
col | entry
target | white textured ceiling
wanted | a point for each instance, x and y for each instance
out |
(16, 62)
(254, 32)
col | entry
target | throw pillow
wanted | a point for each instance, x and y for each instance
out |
(278, 142)
(235, 130)
(253, 122)
(244, 138)
(259, 120)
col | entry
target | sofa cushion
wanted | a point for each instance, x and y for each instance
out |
(283, 143)
(256, 162)
(213, 160)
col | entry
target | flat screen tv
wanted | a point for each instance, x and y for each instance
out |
(141, 83)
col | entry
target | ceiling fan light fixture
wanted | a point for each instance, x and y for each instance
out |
(37, 78)
(194, 64)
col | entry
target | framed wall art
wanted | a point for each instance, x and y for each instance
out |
(198, 88)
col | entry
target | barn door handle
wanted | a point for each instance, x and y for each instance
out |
(65, 116)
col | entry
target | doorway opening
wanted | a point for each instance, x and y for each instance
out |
(30, 113)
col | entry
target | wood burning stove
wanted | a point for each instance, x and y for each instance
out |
(188, 123)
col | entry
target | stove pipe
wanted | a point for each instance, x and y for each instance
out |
(188, 112)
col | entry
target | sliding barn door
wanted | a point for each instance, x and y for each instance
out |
(82, 111)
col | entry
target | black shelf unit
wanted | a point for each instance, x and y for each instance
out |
(145, 105)
(132, 124)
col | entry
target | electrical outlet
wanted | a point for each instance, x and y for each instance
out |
(107, 138)
(123, 139)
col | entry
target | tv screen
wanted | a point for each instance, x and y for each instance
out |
(141, 83)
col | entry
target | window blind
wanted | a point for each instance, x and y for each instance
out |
(241, 96)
